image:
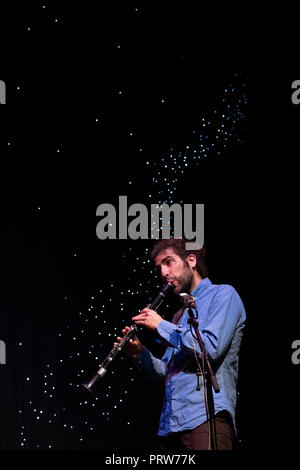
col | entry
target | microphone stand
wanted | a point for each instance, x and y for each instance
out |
(212, 379)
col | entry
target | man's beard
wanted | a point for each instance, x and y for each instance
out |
(184, 282)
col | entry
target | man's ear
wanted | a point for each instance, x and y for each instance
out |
(191, 260)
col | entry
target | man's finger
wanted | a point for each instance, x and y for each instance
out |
(140, 316)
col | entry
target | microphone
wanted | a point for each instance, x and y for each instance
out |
(187, 300)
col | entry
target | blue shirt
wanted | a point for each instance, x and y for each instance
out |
(221, 321)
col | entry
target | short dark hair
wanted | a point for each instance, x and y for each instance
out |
(178, 246)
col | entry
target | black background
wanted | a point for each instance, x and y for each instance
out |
(69, 73)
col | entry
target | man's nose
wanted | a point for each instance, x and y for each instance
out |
(164, 273)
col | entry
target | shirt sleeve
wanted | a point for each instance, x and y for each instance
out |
(216, 330)
(153, 368)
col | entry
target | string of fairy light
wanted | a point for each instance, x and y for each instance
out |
(218, 129)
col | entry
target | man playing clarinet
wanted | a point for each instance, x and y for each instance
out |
(194, 416)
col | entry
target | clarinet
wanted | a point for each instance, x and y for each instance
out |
(130, 333)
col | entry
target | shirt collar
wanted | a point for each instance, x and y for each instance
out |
(201, 287)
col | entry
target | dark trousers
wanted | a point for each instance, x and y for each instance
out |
(198, 438)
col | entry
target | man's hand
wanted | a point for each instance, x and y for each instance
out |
(148, 318)
(133, 347)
